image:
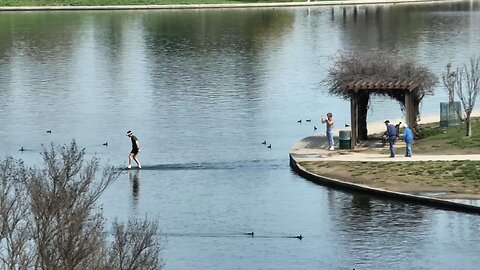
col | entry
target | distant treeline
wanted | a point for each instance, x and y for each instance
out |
(7, 3)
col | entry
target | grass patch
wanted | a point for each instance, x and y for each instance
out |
(451, 140)
(461, 176)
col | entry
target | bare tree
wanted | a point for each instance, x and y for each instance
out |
(49, 218)
(449, 79)
(467, 84)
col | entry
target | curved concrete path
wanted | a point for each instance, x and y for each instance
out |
(314, 149)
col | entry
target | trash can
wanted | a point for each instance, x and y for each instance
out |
(345, 139)
(448, 114)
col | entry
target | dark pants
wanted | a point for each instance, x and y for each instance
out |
(391, 140)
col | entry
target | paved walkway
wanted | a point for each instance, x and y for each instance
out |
(314, 149)
(220, 6)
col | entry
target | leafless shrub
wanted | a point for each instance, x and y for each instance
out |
(48, 218)
(15, 249)
(133, 247)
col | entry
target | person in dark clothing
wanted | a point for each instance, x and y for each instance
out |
(135, 150)
(391, 134)
(397, 127)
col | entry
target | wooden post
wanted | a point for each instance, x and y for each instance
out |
(353, 119)
(409, 110)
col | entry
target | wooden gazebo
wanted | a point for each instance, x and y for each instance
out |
(360, 91)
(357, 75)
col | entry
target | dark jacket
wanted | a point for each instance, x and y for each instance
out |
(391, 131)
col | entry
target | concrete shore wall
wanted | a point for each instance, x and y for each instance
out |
(409, 198)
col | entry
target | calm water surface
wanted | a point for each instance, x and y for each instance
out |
(202, 90)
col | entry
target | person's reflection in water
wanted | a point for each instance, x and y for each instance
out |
(134, 181)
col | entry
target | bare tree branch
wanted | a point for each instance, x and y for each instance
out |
(134, 247)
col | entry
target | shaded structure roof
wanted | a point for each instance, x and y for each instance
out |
(379, 85)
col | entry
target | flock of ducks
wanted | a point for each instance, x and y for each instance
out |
(307, 120)
(315, 127)
(22, 149)
(269, 146)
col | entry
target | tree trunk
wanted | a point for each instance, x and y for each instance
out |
(469, 125)
(416, 127)
(362, 116)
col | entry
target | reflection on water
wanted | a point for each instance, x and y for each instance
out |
(135, 182)
(203, 89)
(470, 202)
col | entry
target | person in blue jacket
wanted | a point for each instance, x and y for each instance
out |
(391, 136)
(408, 138)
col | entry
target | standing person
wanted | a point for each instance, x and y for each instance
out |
(391, 134)
(329, 125)
(408, 138)
(135, 150)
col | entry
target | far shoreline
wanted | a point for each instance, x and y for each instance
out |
(219, 5)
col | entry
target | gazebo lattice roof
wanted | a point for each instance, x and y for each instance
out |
(380, 85)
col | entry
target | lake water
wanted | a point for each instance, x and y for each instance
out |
(202, 89)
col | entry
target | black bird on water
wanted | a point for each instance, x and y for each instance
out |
(49, 131)
(21, 149)
(105, 143)
(299, 121)
(252, 234)
(264, 142)
(308, 120)
(298, 237)
(269, 146)
(347, 125)
(314, 127)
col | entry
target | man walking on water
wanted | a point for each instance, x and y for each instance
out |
(135, 150)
